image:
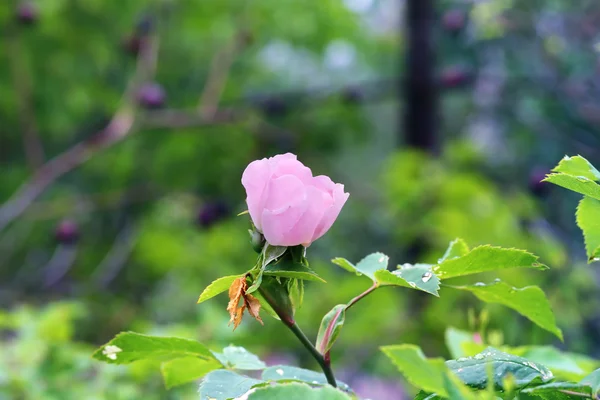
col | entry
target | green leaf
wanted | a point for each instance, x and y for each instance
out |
(456, 388)
(297, 391)
(367, 266)
(290, 374)
(235, 357)
(565, 365)
(456, 248)
(593, 381)
(296, 290)
(224, 384)
(290, 269)
(276, 293)
(347, 265)
(128, 347)
(424, 373)
(588, 219)
(418, 276)
(577, 166)
(268, 256)
(529, 301)
(486, 258)
(272, 253)
(454, 341)
(331, 326)
(559, 363)
(579, 184)
(186, 369)
(560, 391)
(217, 287)
(266, 306)
(427, 396)
(474, 372)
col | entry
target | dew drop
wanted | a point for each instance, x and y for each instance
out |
(582, 179)
(596, 259)
(479, 284)
(497, 280)
(412, 284)
(381, 259)
(426, 276)
(279, 371)
(479, 356)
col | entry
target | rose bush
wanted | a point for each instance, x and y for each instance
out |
(289, 205)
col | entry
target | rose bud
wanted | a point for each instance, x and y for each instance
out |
(289, 205)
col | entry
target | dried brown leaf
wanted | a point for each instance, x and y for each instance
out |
(253, 307)
(236, 291)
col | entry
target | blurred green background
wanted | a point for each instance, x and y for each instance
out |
(132, 224)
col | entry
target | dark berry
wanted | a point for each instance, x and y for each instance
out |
(211, 213)
(132, 44)
(274, 106)
(27, 13)
(151, 95)
(67, 232)
(145, 25)
(536, 185)
(454, 20)
(454, 76)
(352, 95)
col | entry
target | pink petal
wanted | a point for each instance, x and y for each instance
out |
(331, 214)
(285, 204)
(255, 180)
(287, 164)
(304, 229)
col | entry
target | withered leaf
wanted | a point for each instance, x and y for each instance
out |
(253, 307)
(236, 292)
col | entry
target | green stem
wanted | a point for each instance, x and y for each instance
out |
(288, 320)
(323, 361)
(329, 330)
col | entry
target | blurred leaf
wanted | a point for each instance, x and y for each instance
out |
(223, 384)
(455, 339)
(560, 391)
(588, 219)
(593, 380)
(473, 371)
(486, 258)
(330, 328)
(288, 373)
(418, 276)
(579, 184)
(186, 369)
(128, 347)
(218, 286)
(421, 372)
(367, 266)
(297, 391)
(236, 357)
(577, 166)
(529, 301)
(290, 269)
(457, 248)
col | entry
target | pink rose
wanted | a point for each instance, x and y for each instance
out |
(287, 204)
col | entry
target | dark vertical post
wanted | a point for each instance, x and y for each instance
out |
(419, 87)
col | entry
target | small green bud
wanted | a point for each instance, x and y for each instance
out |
(257, 240)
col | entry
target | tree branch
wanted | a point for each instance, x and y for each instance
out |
(116, 130)
(21, 76)
(218, 74)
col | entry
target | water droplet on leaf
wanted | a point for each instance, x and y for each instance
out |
(426, 276)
